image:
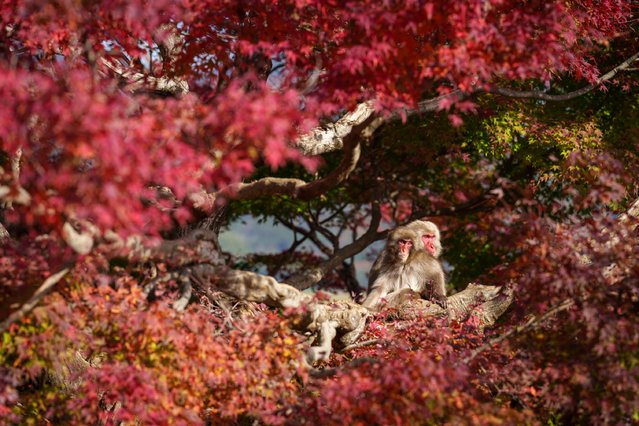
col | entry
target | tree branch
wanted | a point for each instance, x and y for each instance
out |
(311, 277)
(330, 138)
(315, 225)
(42, 291)
(531, 323)
(137, 82)
(311, 235)
(335, 323)
(298, 188)
(536, 94)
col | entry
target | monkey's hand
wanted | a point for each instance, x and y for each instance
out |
(359, 298)
(441, 300)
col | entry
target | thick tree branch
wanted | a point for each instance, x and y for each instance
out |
(335, 324)
(432, 104)
(137, 82)
(326, 335)
(331, 138)
(297, 188)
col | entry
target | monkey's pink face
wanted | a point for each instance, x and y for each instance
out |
(404, 247)
(429, 243)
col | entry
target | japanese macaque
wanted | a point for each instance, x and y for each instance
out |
(409, 261)
(429, 234)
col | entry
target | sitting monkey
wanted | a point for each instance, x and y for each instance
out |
(408, 262)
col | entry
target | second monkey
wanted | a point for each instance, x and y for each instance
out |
(408, 262)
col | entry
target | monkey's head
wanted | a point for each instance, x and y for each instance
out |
(402, 242)
(429, 236)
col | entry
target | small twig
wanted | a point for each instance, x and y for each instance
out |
(531, 323)
(307, 234)
(362, 344)
(316, 226)
(46, 286)
(332, 216)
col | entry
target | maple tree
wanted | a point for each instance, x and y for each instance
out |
(131, 132)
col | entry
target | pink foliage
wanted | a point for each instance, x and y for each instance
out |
(110, 148)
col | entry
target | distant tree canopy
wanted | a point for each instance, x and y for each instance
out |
(132, 133)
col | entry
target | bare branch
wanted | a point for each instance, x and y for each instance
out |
(323, 140)
(350, 250)
(430, 105)
(363, 344)
(490, 311)
(536, 94)
(336, 323)
(315, 225)
(170, 44)
(137, 82)
(42, 291)
(531, 323)
(297, 188)
(311, 277)
(311, 235)
(352, 153)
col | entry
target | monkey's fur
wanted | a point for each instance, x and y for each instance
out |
(429, 233)
(406, 264)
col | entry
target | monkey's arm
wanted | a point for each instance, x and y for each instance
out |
(437, 292)
(399, 297)
(375, 295)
